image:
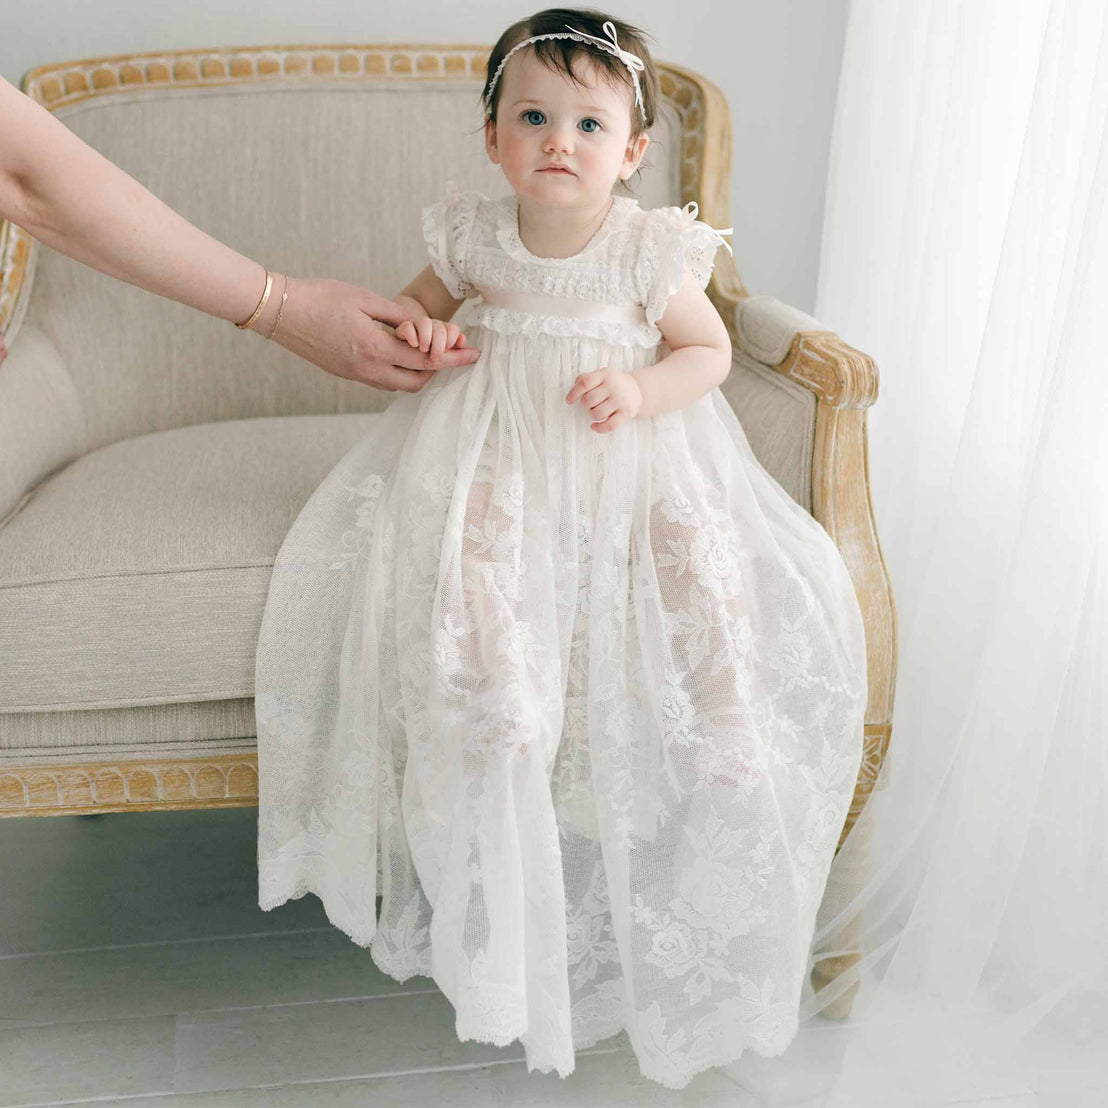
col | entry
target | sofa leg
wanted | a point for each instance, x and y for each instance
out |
(823, 973)
(847, 938)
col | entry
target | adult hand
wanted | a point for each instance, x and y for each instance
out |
(70, 197)
(338, 327)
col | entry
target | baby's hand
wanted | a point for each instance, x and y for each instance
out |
(612, 397)
(431, 335)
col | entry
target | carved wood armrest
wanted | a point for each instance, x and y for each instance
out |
(798, 346)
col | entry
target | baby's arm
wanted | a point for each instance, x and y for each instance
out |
(428, 302)
(700, 359)
(700, 355)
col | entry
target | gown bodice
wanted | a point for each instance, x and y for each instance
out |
(613, 290)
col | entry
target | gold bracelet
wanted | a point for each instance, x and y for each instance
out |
(280, 308)
(261, 303)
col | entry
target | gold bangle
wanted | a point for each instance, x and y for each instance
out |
(280, 308)
(261, 303)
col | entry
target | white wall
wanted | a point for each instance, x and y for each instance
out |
(777, 62)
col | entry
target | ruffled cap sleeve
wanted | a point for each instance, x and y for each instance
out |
(447, 228)
(673, 239)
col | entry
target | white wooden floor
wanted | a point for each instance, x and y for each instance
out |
(137, 969)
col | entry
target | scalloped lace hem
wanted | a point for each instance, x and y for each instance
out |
(280, 891)
(504, 1028)
(678, 1077)
(400, 965)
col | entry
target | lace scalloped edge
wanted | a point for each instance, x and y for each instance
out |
(505, 321)
(460, 209)
(675, 1078)
(286, 892)
(679, 244)
(680, 1079)
(401, 969)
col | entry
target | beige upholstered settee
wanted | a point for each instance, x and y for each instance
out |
(152, 458)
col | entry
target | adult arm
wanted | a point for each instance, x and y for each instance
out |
(73, 199)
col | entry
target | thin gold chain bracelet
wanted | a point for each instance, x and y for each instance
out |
(280, 308)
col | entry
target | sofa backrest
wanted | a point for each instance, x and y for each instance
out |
(312, 169)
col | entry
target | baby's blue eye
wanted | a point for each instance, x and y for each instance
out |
(527, 115)
(590, 130)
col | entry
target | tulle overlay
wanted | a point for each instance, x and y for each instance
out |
(583, 710)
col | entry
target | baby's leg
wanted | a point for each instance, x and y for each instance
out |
(708, 622)
(495, 630)
(500, 925)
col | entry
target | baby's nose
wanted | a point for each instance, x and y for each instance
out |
(559, 137)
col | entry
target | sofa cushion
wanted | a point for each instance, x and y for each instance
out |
(138, 574)
(778, 417)
(196, 729)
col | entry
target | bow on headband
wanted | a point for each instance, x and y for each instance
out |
(634, 63)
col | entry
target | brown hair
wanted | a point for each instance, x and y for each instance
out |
(558, 54)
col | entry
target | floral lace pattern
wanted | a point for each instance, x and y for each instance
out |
(446, 230)
(567, 722)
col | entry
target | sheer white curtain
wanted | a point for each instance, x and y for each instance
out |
(966, 250)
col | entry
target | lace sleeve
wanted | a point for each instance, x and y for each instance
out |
(446, 230)
(674, 239)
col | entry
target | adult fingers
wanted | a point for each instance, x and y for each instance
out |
(404, 357)
(382, 309)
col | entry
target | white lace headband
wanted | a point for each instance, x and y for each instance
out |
(633, 62)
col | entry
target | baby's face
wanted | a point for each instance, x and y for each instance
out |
(544, 119)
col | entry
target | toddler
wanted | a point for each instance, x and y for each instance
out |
(550, 665)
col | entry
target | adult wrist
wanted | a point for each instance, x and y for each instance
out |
(248, 323)
(268, 313)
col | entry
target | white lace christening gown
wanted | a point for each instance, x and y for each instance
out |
(585, 711)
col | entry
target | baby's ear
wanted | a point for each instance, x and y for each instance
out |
(633, 155)
(490, 141)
